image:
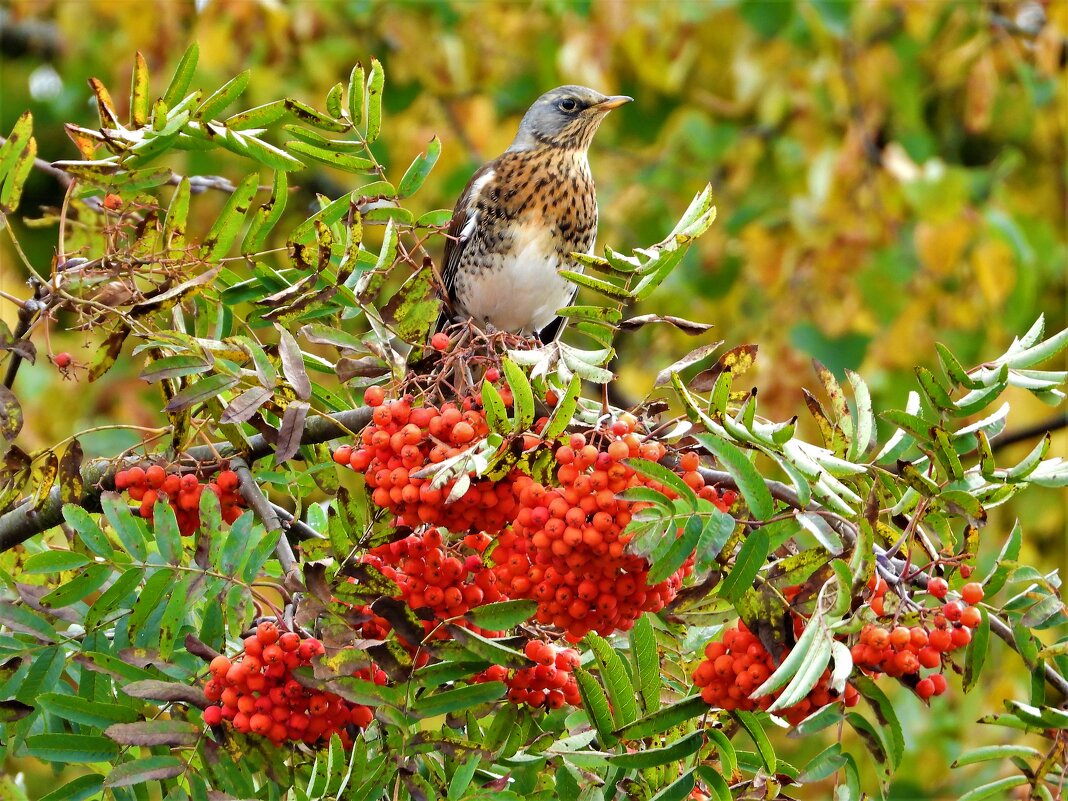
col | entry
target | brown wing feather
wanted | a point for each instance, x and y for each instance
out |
(454, 245)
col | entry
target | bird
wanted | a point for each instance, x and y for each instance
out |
(521, 217)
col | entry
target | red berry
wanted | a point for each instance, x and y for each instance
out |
(440, 341)
(972, 593)
(267, 633)
(493, 375)
(938, 587)
(155, 476)
(925, 688)
(971, 617)
(374, 396)
(62, 360)
(213, 716)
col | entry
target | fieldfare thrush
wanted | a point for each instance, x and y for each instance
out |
(521, 217)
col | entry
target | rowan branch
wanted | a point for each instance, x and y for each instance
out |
(98, 475)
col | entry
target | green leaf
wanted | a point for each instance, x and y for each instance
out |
(650, 758)
(228, 224)
(165, 528)
(183, 76)
(21, 619)
(714, 781)
(147, 769)
(54, 562)
(85, 712)
(678, 789)
(999, 752)
(85, 583)
(669, 479)
(1010, 552)
(79, 789)
(995, 789)
(71, 748)
(356, 95)
(492, 651)
(419, 169)
(614, 675)
(646, 659)
(175, 367)
(884, 711)
(139, 90)
(596, 284)
(222, 97)
(975, 653)
(375, 84)
(111, 597)
(716, 532)
(503, 615)
(203, 390)
(88, 531)
(595, 703)
(751, 723)
(561, 416)
(751, 557)
(128, 530)
(461, 778)
(496, 411)
(682, 547)
(348, 162)
(522, 395)
(157, 590)
(750, 484)
(665, 718)
(461, 698)
(267, 215)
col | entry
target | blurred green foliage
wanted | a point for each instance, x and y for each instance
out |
(888, 174)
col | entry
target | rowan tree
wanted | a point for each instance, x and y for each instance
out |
(356, 561)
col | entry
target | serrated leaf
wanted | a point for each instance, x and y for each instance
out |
(147, 769)
(682, 547)
(461, 698)
(227, 226)
(665, 718)
(183, 76)
(651, 757)
(750, 483)
(123, 524)
(419, 169)
(502, 615)
(54, 562)
(596, 705)
(71, 748)
(751, 557)
(646, 659)
(375, 84)
(751, 723)
(154, 732)
(614, 675)
(663, 475)
(86, 712)
(522, 394)
(203, 390)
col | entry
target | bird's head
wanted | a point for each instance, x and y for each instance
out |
(566, 117)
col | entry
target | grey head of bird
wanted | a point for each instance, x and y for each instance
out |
(566, 117)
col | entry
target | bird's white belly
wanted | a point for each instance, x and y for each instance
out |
(523, 291)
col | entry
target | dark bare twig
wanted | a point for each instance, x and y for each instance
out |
(265, 511)
(28, 312)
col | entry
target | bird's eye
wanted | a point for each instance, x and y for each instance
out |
(568, 104)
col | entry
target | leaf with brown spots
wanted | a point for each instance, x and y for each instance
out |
(109, 350)
(690, 359)
(737, 361)
(10, 414)
(291, 431)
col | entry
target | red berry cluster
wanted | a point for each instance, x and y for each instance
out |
(567, 549)
(549, 684)
(182, 492)
(739, 664)
(433, 575)
(401, 441)
(256, 692)
(902, 651)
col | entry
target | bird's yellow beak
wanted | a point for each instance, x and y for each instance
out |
(615, 101)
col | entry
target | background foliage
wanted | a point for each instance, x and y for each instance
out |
(887, 175)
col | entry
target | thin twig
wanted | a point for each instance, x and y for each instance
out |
(265, 511)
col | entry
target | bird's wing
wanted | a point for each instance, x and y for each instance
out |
(462, 226)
